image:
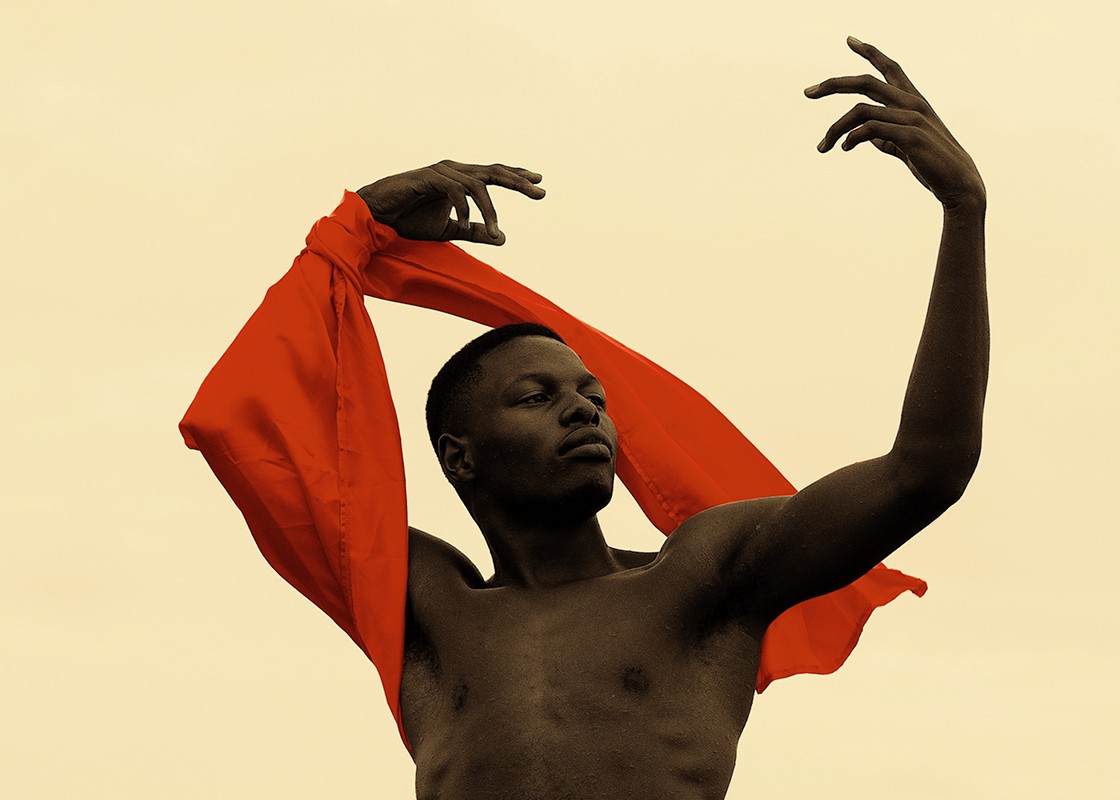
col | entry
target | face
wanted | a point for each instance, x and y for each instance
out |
(539, 437)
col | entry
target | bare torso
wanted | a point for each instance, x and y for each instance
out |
(630, 677)
(625, 685)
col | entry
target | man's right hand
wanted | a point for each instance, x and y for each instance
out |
(417, 204)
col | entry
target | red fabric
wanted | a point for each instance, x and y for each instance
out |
(297, 423)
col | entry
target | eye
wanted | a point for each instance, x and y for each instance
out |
(536, 398)
(598, 401)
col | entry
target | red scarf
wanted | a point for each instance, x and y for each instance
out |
(297, 422)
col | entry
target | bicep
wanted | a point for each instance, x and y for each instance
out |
(757, 558)
(834, 531)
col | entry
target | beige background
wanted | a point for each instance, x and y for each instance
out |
(162, 164)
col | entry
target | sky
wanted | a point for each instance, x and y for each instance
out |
(162, 164)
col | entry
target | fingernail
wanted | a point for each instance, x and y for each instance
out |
(812, 88)
(855, 41)
(820, 147)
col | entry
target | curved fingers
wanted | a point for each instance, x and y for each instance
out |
(889, 68)
(529, 175)
(518, 183)
(478, 192)
(456, 194)
(870, 86)
(865, 112)
(898, 135)
(476, 232)
(515, 178)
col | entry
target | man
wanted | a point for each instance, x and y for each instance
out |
(577, 670)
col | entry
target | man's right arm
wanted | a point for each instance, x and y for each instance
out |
(272, 416)
(296, 419)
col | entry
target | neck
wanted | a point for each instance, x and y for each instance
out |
(538, 553)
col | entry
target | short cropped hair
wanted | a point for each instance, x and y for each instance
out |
(447, 397)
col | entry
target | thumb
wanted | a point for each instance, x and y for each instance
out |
(475, 233)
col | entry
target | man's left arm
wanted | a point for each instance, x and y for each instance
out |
(776, 552)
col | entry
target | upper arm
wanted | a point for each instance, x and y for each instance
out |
(838, 528)
(760, 557)
(437, 571)
(264, 418)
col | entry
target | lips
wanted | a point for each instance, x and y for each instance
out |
(587, 443)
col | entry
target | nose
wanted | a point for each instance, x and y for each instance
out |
(581, 411)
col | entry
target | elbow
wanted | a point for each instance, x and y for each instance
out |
(196, 432)
(186, 430)
(205, 425)
(936, 479)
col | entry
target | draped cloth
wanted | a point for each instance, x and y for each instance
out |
(297, 422)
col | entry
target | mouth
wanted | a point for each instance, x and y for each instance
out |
(588, 444)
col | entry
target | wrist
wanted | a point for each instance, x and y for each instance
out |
(356, 216)
(367, 197)
(971, 207)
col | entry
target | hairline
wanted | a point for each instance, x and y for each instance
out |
(464, 370)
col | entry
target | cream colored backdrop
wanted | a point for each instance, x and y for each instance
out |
(162, 164)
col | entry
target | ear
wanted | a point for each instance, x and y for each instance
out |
(455, 458)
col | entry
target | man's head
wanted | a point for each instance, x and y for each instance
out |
(449, 394)
(517, 420)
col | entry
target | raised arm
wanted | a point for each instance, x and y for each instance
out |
(296, 419)
(777, 552)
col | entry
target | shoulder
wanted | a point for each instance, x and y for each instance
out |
(708, 539)
(436, 567)
(710, 556)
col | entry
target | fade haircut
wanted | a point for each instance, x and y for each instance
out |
(447, 397)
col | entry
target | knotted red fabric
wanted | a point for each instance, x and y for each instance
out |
(297, 422)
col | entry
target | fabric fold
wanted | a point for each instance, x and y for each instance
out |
(298, 424)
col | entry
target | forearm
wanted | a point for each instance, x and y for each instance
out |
(288, 349)
(939, 435)
(299, 390)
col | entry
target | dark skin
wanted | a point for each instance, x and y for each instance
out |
(581, 671)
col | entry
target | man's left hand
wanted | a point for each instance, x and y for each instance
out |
(904, 126)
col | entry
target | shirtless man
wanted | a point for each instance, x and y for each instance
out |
(579, 671)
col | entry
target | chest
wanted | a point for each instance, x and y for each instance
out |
(577, 655)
